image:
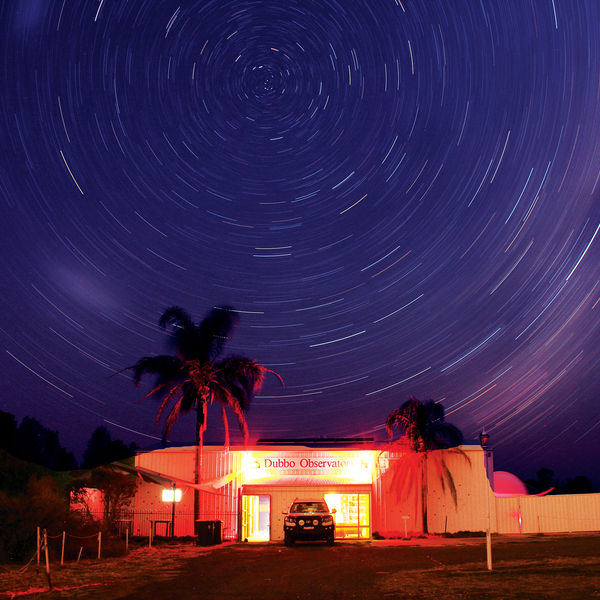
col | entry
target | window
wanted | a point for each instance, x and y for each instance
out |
(352, 515)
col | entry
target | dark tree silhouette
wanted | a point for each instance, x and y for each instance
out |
(195, 377)
(545, 480)
(8, 431)
(102, 449)
(422, 429)
(580, 484)
(35, 443)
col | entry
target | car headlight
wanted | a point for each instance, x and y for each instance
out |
(327, 521)
(315, 522)
(289, 521)
(301, 522)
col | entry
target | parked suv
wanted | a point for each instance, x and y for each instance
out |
(308, 520)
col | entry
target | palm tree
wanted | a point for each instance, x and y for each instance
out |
(195, 377)
(422, 429)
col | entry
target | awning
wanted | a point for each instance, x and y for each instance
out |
(164, 480)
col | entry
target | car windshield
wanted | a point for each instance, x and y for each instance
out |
(308, 507)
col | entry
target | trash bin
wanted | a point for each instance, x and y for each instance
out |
(217, 532)
(208, 533)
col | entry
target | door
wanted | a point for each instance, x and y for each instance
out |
(256, 518)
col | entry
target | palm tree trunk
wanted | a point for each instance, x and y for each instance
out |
(200, 427)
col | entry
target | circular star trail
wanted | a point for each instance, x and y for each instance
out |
(400, 198)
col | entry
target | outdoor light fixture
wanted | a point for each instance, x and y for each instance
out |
(484, 439)
(171, 495)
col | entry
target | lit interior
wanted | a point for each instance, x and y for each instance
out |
(352, 515)
(256, 513)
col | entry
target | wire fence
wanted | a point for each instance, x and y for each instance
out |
(156, 523)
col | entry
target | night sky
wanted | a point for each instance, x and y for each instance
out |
(400, 197)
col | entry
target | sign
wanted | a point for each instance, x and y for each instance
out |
(344, 466)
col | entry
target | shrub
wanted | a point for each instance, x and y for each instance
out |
(40, 505)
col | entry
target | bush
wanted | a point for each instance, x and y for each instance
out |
(40, 505)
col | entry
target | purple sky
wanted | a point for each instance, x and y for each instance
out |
(400, 197)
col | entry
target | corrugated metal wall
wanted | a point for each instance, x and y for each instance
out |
(527, 514)
(473, 492)
(393, 511)
(179, 462)
(394, 514)
(548, 514)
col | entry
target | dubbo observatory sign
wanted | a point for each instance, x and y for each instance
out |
(350, 466)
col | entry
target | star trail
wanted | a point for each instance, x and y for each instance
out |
(399, 197)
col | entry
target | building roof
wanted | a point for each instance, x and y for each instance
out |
(316, 442)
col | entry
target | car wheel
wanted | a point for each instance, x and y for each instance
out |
(330, 540)
(289, 541)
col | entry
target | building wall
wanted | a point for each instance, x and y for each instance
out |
(218, 504)
(395, 494)
(473, 492)
(398, 505)
(548, 514)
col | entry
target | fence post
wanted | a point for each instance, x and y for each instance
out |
(99, 544)
(37, 548)
(47, 558)
(62, 551)
(126, 540)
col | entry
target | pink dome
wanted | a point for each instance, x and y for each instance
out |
(507, 484)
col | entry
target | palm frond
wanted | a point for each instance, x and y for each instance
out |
(176, 316)
(243, 375)
(229, 396)
(166, 401)
(225, 425)
(185, 337)
(393, 420)
(167, 368)
(214, 330)
(173, 415)
(450, 480)
(189, 398)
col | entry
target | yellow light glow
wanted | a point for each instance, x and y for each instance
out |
(167, 495)
(351, 466)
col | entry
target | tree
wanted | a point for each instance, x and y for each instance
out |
(118, 489)
(195, 377)
(37, 444)
(8, 431)
(102, 449)
(580, 484)
(422, 430)
(545, 480)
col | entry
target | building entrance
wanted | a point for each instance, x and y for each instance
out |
(256, 518)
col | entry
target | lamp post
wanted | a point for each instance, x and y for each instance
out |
(173, 513)
(484, 441)
(172, 495)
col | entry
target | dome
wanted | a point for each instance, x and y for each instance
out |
(507, 484)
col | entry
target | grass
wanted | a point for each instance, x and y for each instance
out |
(548, 567)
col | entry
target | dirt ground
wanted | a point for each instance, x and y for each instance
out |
(565, 567)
